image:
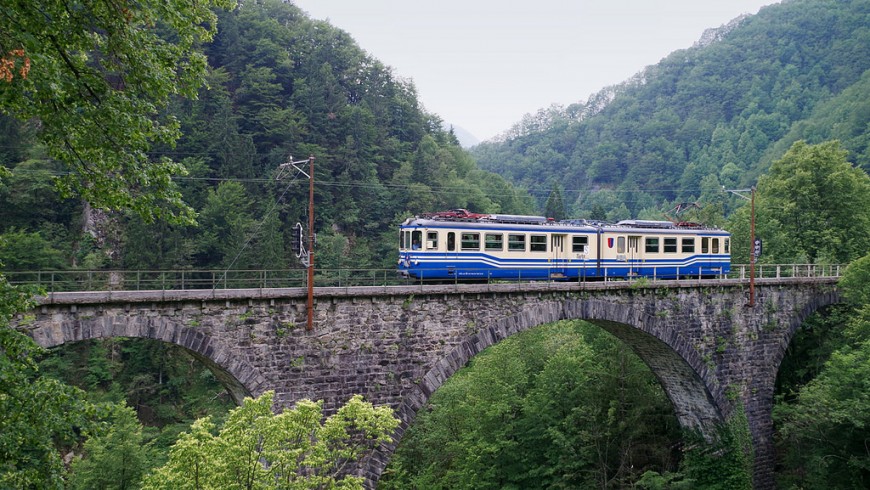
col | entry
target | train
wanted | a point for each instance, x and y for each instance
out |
(459, 245)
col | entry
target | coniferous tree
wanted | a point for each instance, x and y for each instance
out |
(555, 208)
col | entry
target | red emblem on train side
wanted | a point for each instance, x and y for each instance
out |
(610, 243)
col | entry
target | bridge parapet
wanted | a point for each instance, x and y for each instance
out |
(185, 279)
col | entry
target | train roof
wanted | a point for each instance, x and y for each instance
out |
(463, 219)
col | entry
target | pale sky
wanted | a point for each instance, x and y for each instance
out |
(483, 64)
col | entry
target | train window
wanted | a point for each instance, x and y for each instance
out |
(652, 245)
(517, 243)
(715, 245)
(705, 245)
(579, 244)
(416, 240)
(471, 241)
(432, 240)
(403, 240)
(727, 246)
(670, 245)
(494, 242)
(688, 245)
(620, 245)
(538, 243)
(451, 242)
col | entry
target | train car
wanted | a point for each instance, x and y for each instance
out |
(459, 245)
(661, 249)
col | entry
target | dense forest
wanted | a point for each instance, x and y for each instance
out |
(715, 114)
(776, 100)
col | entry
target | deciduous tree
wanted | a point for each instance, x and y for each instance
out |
(115, 456)
(813, 205)
(295, 449)
(96, 75)
(37, 415)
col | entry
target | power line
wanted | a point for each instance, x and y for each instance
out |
(536, 191)
(256, 231)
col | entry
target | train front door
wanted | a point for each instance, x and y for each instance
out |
(557, 255)
(635, 259)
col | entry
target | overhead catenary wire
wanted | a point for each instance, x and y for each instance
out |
(536, 191)
(256, 230)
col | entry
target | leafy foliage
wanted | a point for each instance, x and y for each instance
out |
(815, 204)
(115, 456)
(95, 75)
(855, 282)
(816, 339)
(555, 208)
(163, 383)
(38, 415)
(28, 251)
(726, 463)
(825, 431)
(258, 449)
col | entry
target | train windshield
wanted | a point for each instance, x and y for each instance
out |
(411, 239)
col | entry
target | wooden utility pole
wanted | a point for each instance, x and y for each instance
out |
(751, 199)
(752, 250)
(310, 242)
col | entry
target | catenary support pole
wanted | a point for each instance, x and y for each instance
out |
(752, 250)
(751, 199)
(310, 242)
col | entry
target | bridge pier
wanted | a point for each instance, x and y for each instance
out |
(772, 323)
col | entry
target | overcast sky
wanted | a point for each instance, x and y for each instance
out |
(483, 64)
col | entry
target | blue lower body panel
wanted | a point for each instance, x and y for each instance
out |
(484, 267)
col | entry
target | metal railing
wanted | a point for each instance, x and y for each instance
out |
(184, 279)
(767, 271)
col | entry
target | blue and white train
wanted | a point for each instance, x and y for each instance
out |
(458, 245)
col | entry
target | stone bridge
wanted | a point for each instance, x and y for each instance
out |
(397, 344)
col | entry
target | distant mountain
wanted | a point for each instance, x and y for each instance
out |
(466, 139)
(710, 115)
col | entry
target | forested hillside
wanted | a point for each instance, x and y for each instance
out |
(717, 113)
(280, 84)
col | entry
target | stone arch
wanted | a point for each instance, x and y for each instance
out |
(677, 365)
(815, 302)
(238, 377)
(698, 401)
